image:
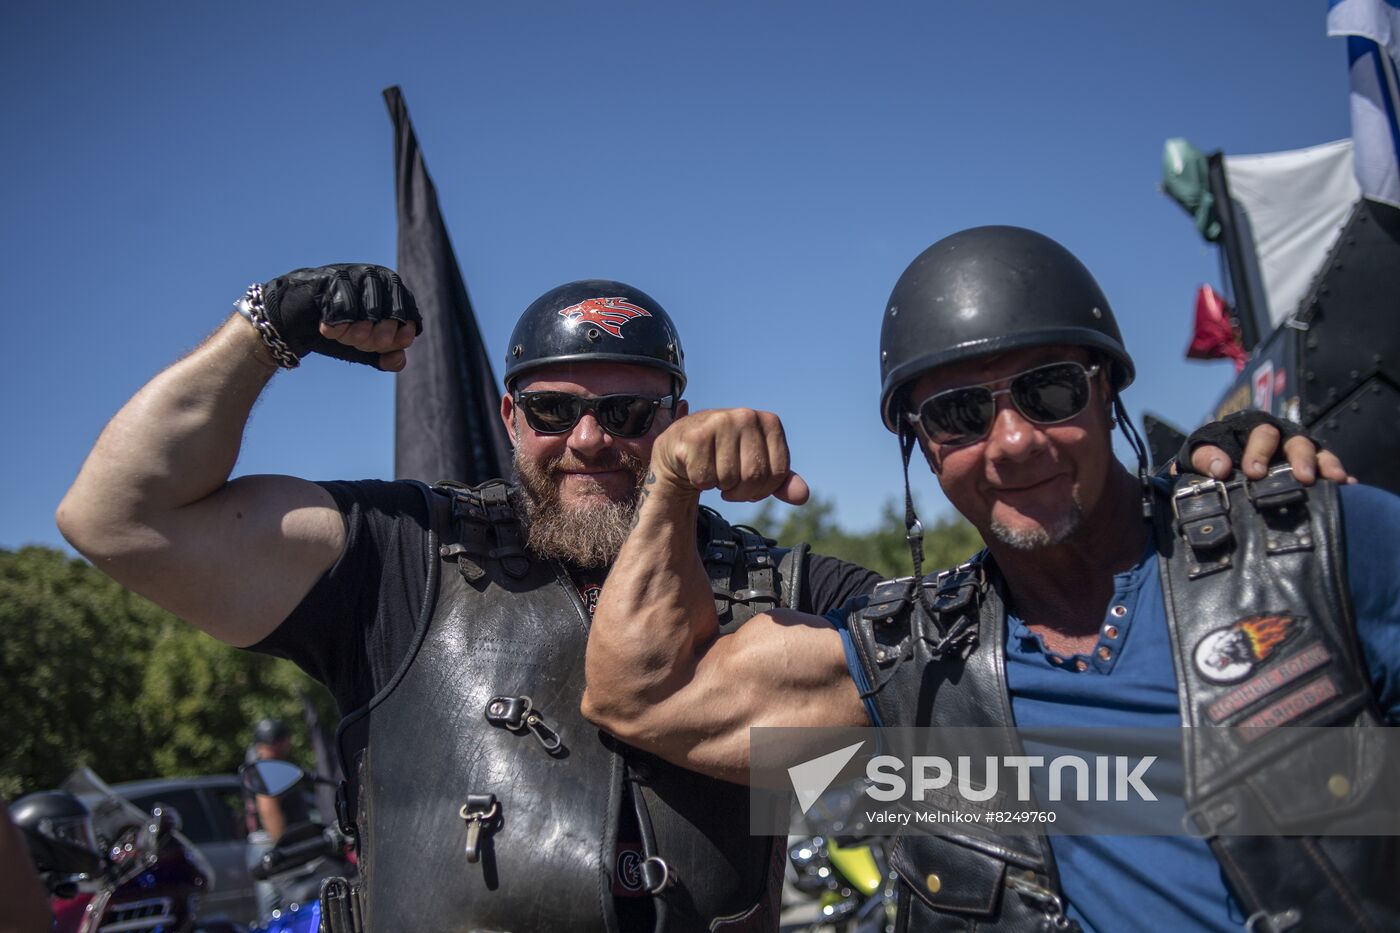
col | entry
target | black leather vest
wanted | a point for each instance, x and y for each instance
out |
(1233, 555)
(486, 802)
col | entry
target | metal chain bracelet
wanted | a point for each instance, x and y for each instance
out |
(251, 307)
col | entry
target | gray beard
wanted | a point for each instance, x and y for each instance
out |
(588, 536)
(1032, 540)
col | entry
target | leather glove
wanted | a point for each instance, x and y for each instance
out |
(1231, 433)
(298, 303)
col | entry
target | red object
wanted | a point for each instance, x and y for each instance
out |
(70, 912)
(1215, 337)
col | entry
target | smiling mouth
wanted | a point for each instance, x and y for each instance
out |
(1027, 487)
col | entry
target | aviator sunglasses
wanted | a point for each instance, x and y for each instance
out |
(619, 415)
(1045, 395)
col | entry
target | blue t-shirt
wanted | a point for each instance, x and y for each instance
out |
(1128, 681)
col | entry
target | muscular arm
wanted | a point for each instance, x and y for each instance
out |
(660, 676)
(153, 506)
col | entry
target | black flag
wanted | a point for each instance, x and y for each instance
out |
(447, 401)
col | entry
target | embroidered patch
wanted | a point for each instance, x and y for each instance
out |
(627, 871)
(1290, 707)
(607, 313)
(1229, 654)
(589, 593)
(1256, 688)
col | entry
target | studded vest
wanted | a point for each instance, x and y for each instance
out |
(1232, 555)
(483, 800)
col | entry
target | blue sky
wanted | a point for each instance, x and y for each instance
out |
(765, 169)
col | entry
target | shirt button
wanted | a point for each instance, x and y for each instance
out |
(1081, 665)
(1104, 653)
(1110, 631)
(1056, 660)
(1119, 611)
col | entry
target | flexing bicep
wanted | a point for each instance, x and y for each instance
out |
(237, 562)
(783, 668)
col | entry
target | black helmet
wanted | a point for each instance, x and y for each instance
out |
(270, 730)
(595, 320)
(56, 815)
(989, 290)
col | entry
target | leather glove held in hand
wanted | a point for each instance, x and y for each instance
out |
(298, 303)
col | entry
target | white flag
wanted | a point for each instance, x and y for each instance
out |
(1372, 28)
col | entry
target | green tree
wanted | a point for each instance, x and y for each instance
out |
(97, 675)
(950, 540)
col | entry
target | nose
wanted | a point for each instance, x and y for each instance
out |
(588, 436)
(1013, 436)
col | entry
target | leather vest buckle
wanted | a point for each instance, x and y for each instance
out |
(888, 599)
(518, 715)
(656, 874)
(1202, 517)
(1278, 490)
(480, 812)
(1282, 502)
(721, 551)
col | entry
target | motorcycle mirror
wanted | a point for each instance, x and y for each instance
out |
(270, 777)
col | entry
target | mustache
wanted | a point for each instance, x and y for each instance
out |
(609, 460)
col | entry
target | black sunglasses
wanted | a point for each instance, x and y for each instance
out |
(619, 415)
(1046, 395)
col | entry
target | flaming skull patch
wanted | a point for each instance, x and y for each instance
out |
(1228, 654)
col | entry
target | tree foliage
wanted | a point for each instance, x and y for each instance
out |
(949, 542)
(97, 675)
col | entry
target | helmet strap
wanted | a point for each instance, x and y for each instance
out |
(1135, 441)
(913, 528)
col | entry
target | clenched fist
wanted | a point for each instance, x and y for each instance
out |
(741, 452)
(356, 312)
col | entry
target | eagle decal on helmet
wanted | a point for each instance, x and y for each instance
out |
(608, 313)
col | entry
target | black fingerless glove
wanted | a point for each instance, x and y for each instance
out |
(298, 303)
(1231, 433)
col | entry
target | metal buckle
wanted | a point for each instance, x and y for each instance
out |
(477, 813)
(665, 881)
(1193, 490)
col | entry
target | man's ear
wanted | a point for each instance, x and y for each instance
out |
(508, 416)
(681, 410)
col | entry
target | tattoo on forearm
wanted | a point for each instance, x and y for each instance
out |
(646, 491)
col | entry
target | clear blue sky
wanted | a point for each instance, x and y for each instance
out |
(765, 169)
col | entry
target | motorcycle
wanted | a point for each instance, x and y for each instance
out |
(109, 866)
(849, 878)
